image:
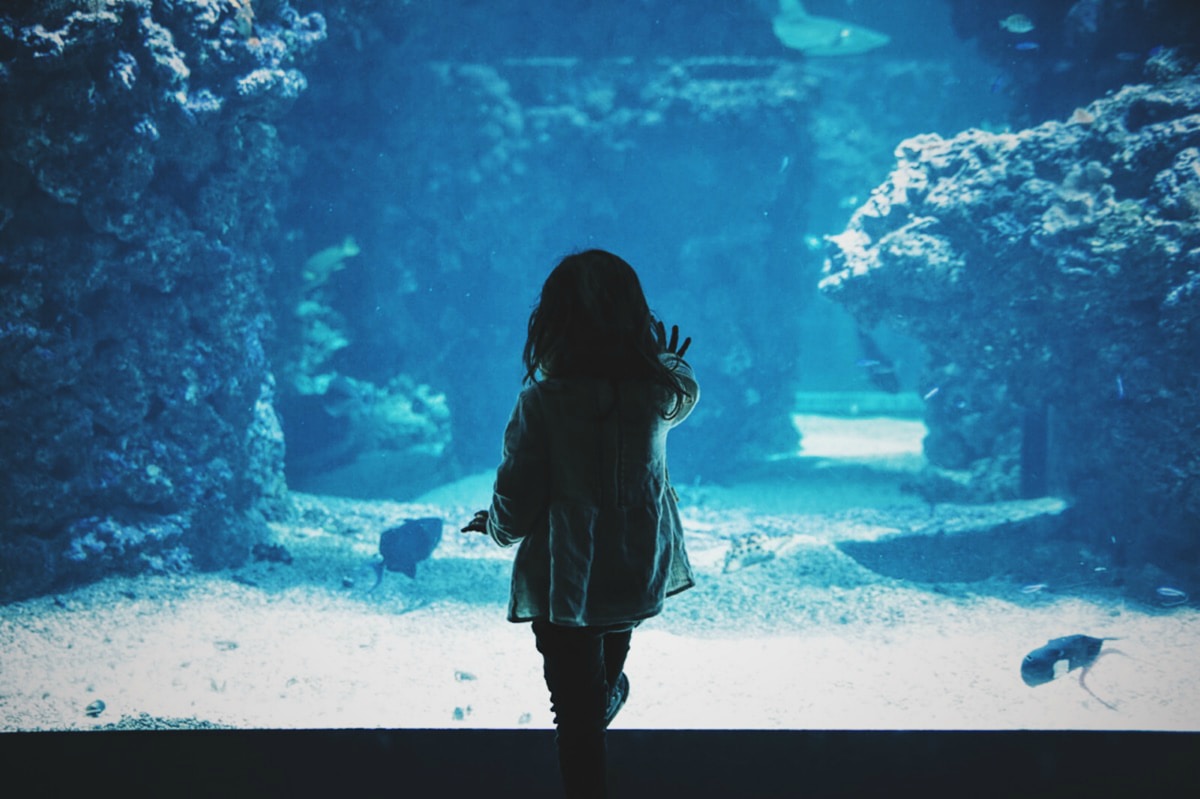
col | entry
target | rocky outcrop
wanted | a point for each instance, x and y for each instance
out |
(1054, 275)
(140, 170)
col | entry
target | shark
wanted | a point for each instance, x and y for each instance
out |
(822, 36)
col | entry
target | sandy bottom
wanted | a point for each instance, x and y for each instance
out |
(804, 638)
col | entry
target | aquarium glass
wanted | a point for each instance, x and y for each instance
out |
(266, 276)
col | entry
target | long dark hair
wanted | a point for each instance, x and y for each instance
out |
(592, 320)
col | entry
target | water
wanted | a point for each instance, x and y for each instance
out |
(278, 298)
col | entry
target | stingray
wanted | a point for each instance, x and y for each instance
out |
(1062, 655)
(800, 30)
(405, 546)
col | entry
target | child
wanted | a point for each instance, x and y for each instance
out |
(583, 486)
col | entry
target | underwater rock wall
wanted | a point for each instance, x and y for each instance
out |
(140, 167)
(463, 151)
(1054, 275)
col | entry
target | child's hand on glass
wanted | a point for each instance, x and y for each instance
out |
(660, 335)
(478, 524)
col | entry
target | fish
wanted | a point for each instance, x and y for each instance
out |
(1062, 655)
(879, 368)
(1017, 23)
(321, 265)
(822, 36)
(405, 546)
(1171, 596)
(1027, 46)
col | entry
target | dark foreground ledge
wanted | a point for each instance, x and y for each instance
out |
(644, 763)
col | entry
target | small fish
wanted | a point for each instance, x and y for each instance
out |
(1120, 388)
(1062, 655)
(784, 164)
(1017, 23)
(1171, 596)
(405, 546)
(1026, 46)
(1035, 588)
(95, 708)
(879, 368)
(931, 393)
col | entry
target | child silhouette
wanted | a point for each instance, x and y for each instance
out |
(583, 486)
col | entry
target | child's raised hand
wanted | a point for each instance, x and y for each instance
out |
(478, 524)
(660, 334)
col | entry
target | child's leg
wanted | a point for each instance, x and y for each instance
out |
(574, 667)
(616, 648)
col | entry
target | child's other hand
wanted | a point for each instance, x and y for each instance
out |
(478, 524)
(660, 334)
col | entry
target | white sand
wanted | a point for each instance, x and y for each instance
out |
(806, 640)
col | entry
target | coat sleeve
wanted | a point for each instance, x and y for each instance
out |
(521, 493)
(687, 378)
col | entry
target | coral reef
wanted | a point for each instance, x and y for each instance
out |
(348, 435)
(1053, 275)
(140, 168)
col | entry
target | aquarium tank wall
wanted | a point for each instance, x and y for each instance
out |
(265, 273)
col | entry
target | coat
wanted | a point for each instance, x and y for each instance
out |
(583, 486)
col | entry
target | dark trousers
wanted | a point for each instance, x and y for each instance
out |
(581, 665)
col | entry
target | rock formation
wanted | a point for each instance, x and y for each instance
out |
(140, 170)
(1054, 275)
